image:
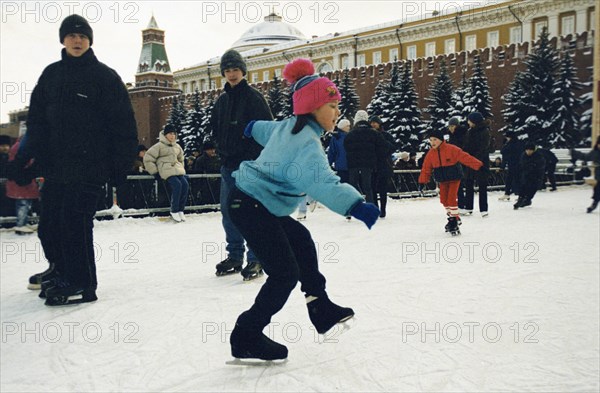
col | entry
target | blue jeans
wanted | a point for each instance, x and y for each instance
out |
(235, 241)
(302, 207)
(179, 192)
(22, 208)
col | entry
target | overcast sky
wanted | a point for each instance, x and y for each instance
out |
(195, 30)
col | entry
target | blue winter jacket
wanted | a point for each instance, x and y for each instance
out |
(337, 153)
(291, 166)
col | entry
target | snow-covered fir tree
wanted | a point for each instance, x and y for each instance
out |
(538, 92)
(277, 99)
(458, 97)
(565, 130)
(178, 113)
(440, 100)
(401, 111)
(477, 98)
(206, 131)
(375, 107)
(191, 129)
(513, 107)
(350, 101)
(585, 121)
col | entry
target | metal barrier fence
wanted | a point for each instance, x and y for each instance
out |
(144, 195)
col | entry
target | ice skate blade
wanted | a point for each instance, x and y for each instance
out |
(34, 287)
(333, 334)
(68, 300)
(256, 362)
(253, 277)
(228, 272)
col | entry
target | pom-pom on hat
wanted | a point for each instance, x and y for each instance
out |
(75, 24)
(310, 90)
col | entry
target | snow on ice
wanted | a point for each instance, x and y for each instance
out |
(512, 304)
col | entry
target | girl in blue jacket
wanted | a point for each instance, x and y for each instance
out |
(268, 189)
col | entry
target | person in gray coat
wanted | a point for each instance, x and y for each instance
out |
(166, 159)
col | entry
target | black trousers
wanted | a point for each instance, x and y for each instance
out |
(286, 251)
(596, 195)
(528, 190)
(380, 189)
(470, 192)
(361, 179)
(65, 230)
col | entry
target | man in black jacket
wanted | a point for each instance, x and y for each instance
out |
(82, 133)
(233, 110)
(385, 166)
(477, 142)
(511, 157)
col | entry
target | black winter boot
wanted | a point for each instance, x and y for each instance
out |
(324, 314)
(248, 344)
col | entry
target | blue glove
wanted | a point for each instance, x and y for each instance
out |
(366, 212)
(248, 129)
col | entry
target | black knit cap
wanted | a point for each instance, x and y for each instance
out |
(169, 128)
(375, 119)
(439, 134)
(75, 24)
(232, 59)
(529, 145)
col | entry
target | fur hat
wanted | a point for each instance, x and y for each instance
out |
(475, 117)
(75, 24)
(454, 121)
(141, 148)
(361, 116)
(309, 90)
(232, 59)
(435, 133)
(343, 123)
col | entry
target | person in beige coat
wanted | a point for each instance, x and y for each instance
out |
(166, 159)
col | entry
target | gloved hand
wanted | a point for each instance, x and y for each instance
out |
(248, 129)
(366, 212)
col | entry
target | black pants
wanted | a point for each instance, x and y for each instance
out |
(65, 230)
(528, 190)
(380, 189)
(511, 182)
(361, 179)
(470, 192)
(550, 170)
(596, 195)
(286, 251)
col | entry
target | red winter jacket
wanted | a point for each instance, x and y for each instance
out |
(446, 155)
(15, 191)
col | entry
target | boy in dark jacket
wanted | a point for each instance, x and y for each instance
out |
(533, 168)
(443, 160)
(82, 133)
(511, 155)
(234, 109)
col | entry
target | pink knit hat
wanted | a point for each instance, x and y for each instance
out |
(310, 90)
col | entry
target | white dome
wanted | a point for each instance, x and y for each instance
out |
(268, 33)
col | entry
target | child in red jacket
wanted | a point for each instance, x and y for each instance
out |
(444, 161)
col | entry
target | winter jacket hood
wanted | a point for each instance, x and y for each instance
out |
(291, 166)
